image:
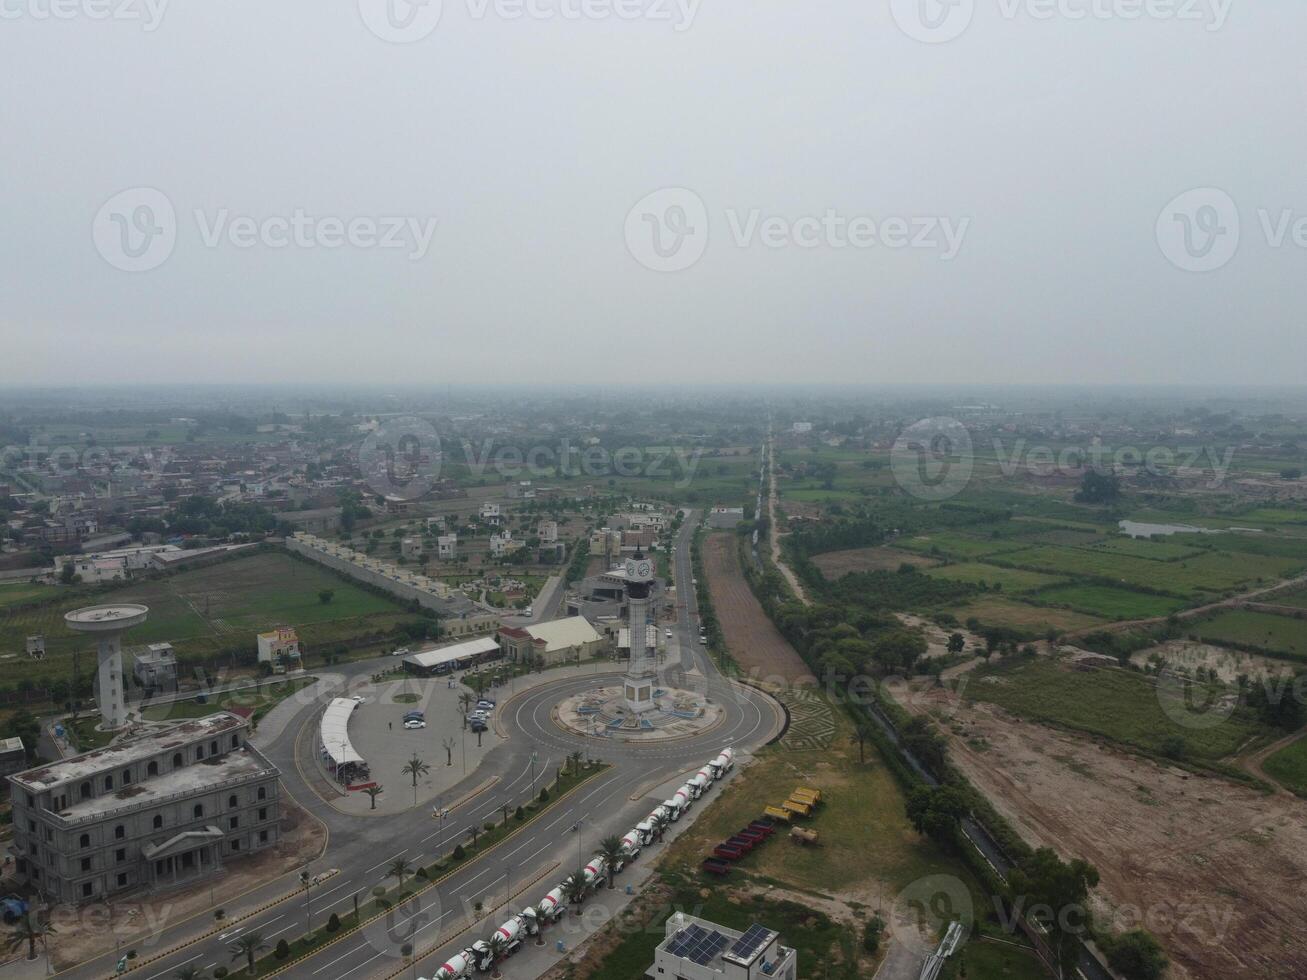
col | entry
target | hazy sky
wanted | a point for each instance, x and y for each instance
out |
(997, 206)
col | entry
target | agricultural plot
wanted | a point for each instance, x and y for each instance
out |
(210, 609)
(1210, 572)
(835, 564)
(1121, 705)
(992, 610)
(956, 544)
(1009, 579)
(1289, 767)
(22, 593)
(1172, 550)
(1110, 603)
(1283, 635)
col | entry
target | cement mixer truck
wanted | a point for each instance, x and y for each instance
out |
(701, 781)
(685, 795)
(550, 909)
(595, 872)
(457, 967)
(645, 830)
(511, 932)
(723, 763)
(674, 809)
(631, 844)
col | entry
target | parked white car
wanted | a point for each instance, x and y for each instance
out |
(415, 723)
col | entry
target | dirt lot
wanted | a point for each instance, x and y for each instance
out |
(836, 564)
(754, 642)
(1213, 869)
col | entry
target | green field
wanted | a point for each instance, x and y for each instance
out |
(21, 593)
(959, 545)
(1011, 579)
(1274, 634)
(1110, 603)
(1147, 548)
(1118, 704)
(1211, 571)
(208, 610)
(1289, 767)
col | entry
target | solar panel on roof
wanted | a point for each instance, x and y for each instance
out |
(712, 944)
(754, 939)
(685, 940)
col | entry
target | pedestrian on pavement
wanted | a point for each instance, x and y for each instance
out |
(391, 724)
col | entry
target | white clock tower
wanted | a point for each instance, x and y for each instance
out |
(638, 684)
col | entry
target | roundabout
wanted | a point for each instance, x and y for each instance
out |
(533, 736)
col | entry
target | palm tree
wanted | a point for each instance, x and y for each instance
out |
(29, 929)
(248, 947)
(574, 762)
(861, 734)
(373, 792)
(660, 824)
(189, 973)
(415, 767)
(474, 831)
(574, 887)
(465, 703)
(398, 869)
(611, 848)
(497, 943)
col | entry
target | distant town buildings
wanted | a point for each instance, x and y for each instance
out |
(447, 547)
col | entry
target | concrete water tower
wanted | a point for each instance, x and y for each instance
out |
(108, 623)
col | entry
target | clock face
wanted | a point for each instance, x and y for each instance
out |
(644, 569)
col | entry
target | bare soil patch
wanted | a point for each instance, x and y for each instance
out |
(753, 640)
(837, 564)
(1214, 869)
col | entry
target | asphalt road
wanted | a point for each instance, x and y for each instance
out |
(362, 846)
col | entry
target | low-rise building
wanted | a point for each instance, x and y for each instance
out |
(280, 648)
(696, 949)
(410, 547)
(155, 668)
(447, 547)
(548, 532)
(168, 806)
(13, 755)
(567, 640)
(502, 543)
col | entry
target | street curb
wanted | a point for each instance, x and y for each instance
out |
(442, 943)
(434, 882)
(226, 923)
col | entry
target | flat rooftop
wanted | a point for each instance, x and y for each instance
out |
(187, 781)
(127, 751)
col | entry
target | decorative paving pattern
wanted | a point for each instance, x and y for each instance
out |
(812, 723)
